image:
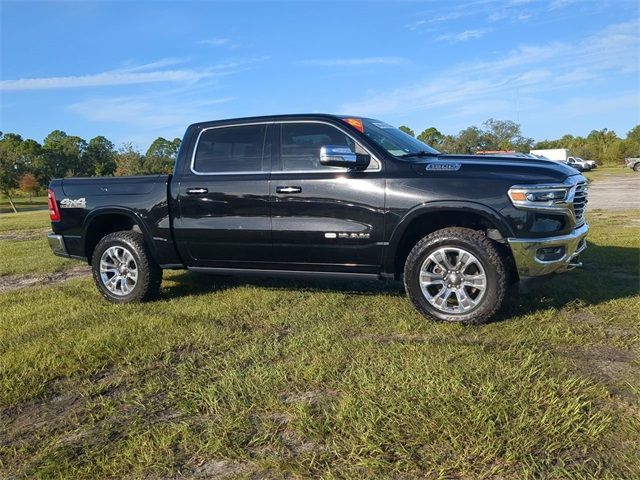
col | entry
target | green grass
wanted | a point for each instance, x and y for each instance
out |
(30, 256)
(608, 171)
(24, 247)
(326, 379)
(22, 203)
(24, 221)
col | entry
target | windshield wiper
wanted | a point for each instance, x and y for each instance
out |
(421, 153)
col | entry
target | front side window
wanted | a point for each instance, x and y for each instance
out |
(301, 142)
(230, 149)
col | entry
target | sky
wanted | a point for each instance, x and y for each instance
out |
(133, 71)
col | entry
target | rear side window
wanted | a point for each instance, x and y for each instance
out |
(301, 144)
(230, 149)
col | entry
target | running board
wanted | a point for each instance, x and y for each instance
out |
(286, 273)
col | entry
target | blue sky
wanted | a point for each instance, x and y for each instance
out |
(135, 71)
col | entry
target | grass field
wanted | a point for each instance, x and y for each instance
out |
(22, 203)
(607, 172)
(234, 378)
(23, 245)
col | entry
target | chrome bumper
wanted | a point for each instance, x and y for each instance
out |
(56, 242)
(526, 255)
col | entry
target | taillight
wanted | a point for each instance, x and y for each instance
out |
(54, 213)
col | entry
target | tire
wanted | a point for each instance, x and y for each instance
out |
(130, 247)
(636, 167)
(482, 265)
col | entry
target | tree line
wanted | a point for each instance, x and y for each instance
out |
(29, 166)
(603, 146)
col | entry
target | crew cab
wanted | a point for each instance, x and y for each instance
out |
(327, 195)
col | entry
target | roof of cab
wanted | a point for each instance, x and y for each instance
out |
(271, 118)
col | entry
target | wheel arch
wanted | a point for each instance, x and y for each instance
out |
(427, 218)
(103, 221)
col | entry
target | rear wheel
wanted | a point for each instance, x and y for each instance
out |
(636, 167)
(123, 269)
(456, 275)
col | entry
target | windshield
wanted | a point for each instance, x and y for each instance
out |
(395, 141)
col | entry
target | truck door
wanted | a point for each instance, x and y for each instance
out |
(324, 218)
(223, 217)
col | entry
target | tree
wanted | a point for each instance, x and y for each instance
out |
(9, 168)
(601, 145)
(407, 130)
(630, 146)
(432, 137)
(31, 158)
(100, 156)
(29, 184)
(63, 156)
(129, 161)
(504, 135)
(161, 155)
(468, 141)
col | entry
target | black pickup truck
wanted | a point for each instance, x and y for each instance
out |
(328, 195)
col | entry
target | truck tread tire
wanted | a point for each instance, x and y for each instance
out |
(477, 243)
(149, 279)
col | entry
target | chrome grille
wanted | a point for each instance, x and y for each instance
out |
(580, 203)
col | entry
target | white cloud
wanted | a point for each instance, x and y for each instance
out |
(354, 62)
(140, 74)
(150, 112)
(220, 42)
(165, 62)
(215, 42)
(415, 25)
(464, 36)
(103, 79)
(527, 71)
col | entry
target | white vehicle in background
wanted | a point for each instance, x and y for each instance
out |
(592, 164)
(555, 154)
(573, 161)
(562, 155)
(633, 162)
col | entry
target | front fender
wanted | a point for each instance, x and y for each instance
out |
(491, 216)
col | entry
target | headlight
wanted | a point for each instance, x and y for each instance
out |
(539, 196)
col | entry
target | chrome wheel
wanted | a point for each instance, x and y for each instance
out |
(453, 280)
(118, 270)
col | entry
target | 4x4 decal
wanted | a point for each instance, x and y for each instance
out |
(70, 203)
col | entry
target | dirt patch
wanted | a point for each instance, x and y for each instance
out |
(606, 364)
(221, 469)
(24, 234)
(16, 282)
(62, 411)
(313, 397)
(429, 339)
(614, 192)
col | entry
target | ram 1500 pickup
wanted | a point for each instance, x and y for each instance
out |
(328, 195)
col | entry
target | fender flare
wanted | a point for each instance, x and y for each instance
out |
(491, 215)
(127, 212)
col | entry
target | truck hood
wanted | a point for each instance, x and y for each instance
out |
(524, 170)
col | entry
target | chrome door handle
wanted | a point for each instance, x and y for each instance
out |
(197, 191)
(288, 189)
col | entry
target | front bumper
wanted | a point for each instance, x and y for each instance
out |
(527, 256)
(56, 242)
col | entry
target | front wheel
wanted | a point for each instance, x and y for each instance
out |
(456, 275)
(123, 269)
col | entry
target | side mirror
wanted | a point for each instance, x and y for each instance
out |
(342, 156)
